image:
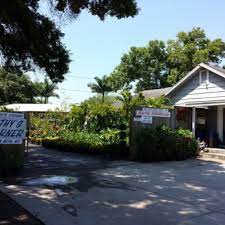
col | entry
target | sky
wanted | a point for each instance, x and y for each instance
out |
(96, 47)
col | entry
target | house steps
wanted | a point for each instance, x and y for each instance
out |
(213, 154)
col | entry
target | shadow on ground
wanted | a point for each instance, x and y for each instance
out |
(123, 192)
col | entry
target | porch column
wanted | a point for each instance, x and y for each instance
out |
(173, 118)
(220, 122)
(193, 120)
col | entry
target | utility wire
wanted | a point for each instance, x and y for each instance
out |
(74, 90)
(79, 77)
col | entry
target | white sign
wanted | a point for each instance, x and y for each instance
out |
(12, 128)
(11, 115)
(146, 119)
(12, 142)
(153, 112)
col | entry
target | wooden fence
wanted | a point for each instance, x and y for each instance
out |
(143, 117)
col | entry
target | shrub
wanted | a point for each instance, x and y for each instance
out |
(162, 143)
(96, 117)
(109, 142)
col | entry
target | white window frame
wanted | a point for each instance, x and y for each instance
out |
(200, 77)
(207, 77)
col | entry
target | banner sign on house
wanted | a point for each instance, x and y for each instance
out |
(155, 112)
(12, 128)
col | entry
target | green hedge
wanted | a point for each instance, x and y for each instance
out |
(111, 143)
(164, 144)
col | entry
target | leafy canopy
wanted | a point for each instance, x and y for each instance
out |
(30, 39)
(21, 89)
(46, 90)
(16, 89)
(101, 86)
(189, 49)
(161, 64)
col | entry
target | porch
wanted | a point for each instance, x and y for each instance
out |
(207, 123)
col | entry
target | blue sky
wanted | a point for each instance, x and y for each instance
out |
(96, 47)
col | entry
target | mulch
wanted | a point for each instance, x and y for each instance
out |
(12, 213)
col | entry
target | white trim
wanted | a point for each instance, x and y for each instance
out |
(207, 79)
(200, 104)
(193, 121)
(220, 122)
(201, 65)
(200, 77)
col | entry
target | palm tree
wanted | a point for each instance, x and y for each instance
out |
(101, 86)
(126, 99)
(47, 89)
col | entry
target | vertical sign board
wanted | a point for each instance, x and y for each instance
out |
(12, 128)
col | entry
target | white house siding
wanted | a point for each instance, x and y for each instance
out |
(194, 93)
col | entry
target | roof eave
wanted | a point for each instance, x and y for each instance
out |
(201, 65)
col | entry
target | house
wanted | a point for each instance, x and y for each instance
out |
(154, 93)
(199, 101)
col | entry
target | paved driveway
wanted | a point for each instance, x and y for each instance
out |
(101, 192)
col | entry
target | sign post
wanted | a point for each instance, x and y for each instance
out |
(12, 144)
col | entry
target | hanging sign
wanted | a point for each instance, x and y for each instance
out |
(12, 128)
(155, 112)
(146, 119)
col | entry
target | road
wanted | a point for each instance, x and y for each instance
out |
(65, 189)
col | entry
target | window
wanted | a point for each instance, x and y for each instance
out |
(204, 77)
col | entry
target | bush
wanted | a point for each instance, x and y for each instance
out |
(96, 117)
(109, 142)
(162, 143)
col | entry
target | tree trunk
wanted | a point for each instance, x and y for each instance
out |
(46, 100)
(103, 97)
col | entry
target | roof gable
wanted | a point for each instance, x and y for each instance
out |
(214, 69)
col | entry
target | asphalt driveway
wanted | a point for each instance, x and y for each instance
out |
(64, 189)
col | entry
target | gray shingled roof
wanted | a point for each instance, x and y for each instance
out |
(155, 92)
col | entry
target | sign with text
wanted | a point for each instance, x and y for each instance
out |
(155, 112)
(11, 115)
(146, 119)
(143, 119)
(12, 128)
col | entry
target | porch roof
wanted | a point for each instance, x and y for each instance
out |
(203, 104)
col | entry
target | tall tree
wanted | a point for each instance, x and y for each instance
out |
(30, 39)
(146, 65)
(162, 64)
(16, 89)
(189, 49)
(46, 90)
(101, 86)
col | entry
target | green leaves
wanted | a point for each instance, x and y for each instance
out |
(101, 86)
(16, 89)
(161, 64)
(46, 89)
(190, 49)
(162, 143)
(146, 65)
(31, 40)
